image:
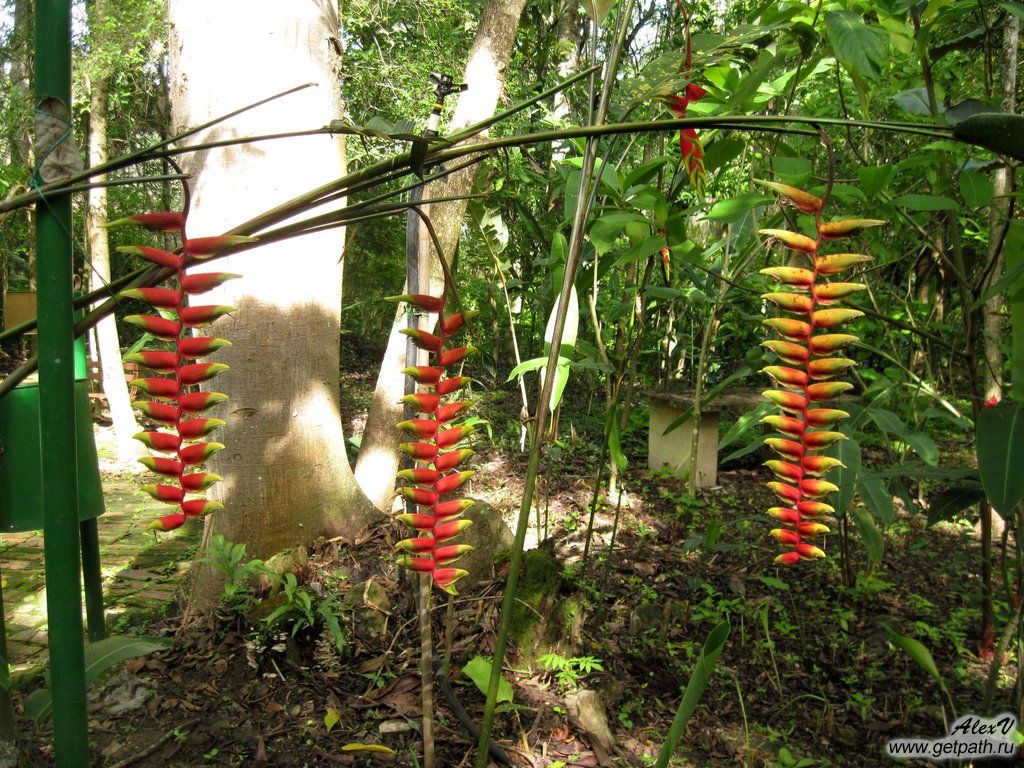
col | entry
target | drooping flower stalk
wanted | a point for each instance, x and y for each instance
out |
(807, 351)
(176, 403)
(690, 149)
(436, 450)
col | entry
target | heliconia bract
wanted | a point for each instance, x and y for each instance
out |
(153, 255)
(204, 247)
(804, 380)
(180, 403)
(437, 473)
(161, 221)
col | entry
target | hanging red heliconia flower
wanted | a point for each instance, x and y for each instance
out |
(436, 450)
(690, 149)
(185, 433)
(805, 376)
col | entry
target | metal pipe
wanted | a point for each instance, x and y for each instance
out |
(57, 408)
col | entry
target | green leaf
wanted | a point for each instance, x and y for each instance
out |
(924, 446)
(997, 131)
(745, 450)
(615, 440)
(570, 331)
(860, 47)
(326, 611)
(976, 189)
(379, 749)
(874, 179)
(598, 10)
(100, 656)
(944, 506)
(848, 452)
(917, 651)
(869, 533)
(478, 669)
(744, 424)
(878, 499)
(926, 203)
(648, 171)
(914, 101)
(708, 396)
(1008, 283)
(1015, 260)
(1000, 444)
(732, 209)
(331, 718)
(747, 87)
(1014, 7)
(694, 691)
(533, 364)
(795, 171)
(919, 470)
(722, 151)
(663, 292)
(888, 421)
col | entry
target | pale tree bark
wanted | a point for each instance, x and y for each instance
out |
(993, 323)
(21, 95)
(286, 475)
(378, 459)
(109, 346)
(569, 34)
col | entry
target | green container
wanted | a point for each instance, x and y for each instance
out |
(20, 475)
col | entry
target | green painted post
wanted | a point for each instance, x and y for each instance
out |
(57, 410)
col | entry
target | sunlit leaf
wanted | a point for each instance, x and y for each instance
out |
(478, 669)
(331, 718)
(379, 749)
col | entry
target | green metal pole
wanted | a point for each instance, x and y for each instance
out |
(57, 408)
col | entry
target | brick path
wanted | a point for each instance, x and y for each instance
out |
(140, 572)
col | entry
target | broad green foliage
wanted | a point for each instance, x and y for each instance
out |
(861, 47)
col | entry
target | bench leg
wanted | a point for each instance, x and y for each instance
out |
(707, 450)
(92, 580)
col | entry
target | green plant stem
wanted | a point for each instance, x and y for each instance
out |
(595, 498)
(1013, 627)
(611, 545)
(132, 158)
(426, 670)
(547, 384)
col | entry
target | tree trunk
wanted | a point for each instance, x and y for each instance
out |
(107, 342)
(485, 74)
(569, 35)
(993, 324)
(286, 476)
(21, 129)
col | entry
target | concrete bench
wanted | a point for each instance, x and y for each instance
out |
(673, 450)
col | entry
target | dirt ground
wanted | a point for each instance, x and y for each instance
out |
(807, 677)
